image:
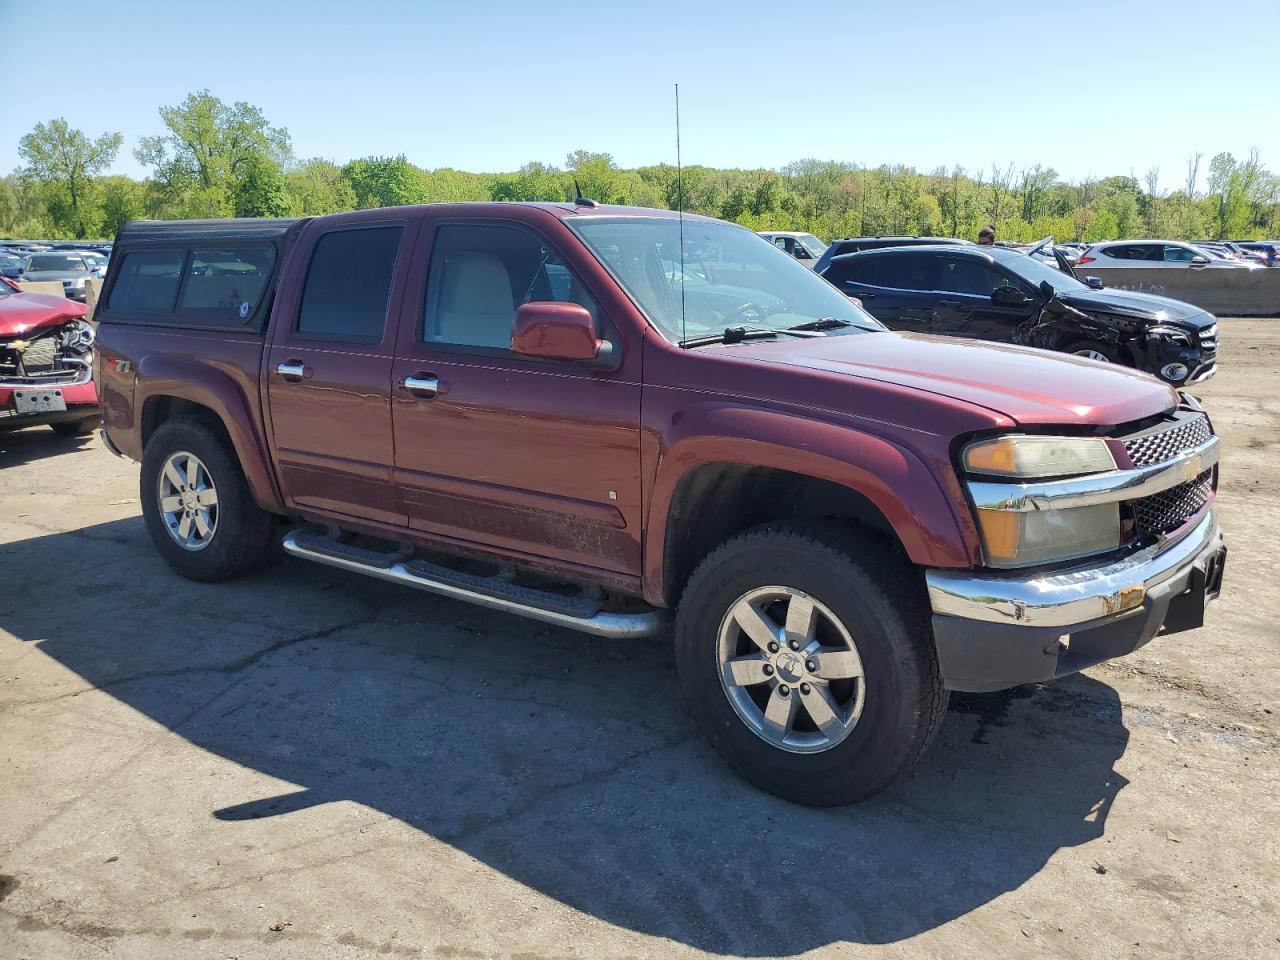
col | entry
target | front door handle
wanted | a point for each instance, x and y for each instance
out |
(292, 370)
(422, 385)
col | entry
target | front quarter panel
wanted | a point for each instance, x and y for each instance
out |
(896, 480)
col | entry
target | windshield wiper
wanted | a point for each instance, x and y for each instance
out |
(828, 323)
(738, 334)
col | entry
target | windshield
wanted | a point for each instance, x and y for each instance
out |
(1035, 272)
(812, 244)
(732, 277)
(53, 261)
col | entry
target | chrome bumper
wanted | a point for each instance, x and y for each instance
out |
(994, 631)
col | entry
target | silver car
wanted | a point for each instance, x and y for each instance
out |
(1159, 254)
(69, 269)
(805, 247)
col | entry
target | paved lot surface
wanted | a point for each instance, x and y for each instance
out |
(308, 764)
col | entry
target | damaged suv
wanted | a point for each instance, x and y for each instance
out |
(994, 293)
(46, 363)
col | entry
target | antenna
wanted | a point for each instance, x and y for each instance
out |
(580, 200)
(680, 214)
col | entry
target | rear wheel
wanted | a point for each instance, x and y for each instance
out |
(807, 660)
(197, 504)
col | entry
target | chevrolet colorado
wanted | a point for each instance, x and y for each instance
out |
(593, 415)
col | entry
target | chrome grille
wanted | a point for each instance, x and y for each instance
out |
(1167, 510)
(41, 356)
(1167, 441)
(1209, 339)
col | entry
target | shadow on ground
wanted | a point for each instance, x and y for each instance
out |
(36, 443)
(566, 763)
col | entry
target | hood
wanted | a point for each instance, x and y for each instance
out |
(1147, 306)
(1026, 385)
(23, 312)
(56, 275)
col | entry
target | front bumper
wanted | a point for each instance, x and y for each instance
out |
(81, 398)
(993, 631)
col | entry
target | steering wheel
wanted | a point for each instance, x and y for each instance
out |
(744, 308)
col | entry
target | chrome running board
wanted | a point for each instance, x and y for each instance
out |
(490, 592)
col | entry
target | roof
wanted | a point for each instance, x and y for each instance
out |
(970, 249)
(257, 228)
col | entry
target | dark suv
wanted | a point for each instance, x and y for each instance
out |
(994, 293)
(839, 248)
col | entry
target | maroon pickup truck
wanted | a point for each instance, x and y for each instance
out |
(594, 415)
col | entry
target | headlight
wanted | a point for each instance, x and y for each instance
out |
(1019, 538)
(1029, 456)
(1176, 334)
(1042, 536)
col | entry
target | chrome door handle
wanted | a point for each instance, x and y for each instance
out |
(422, 386)
(292, 371)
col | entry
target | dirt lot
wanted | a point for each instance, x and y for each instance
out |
(308, 764)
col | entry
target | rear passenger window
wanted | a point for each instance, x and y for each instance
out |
(147, 282)
(224, 286)
(348, 285)
(965, 276)
(480, 275)
(847, 271)
(905, 271)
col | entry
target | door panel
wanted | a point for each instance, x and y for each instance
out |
(532, 456)
(328, 379)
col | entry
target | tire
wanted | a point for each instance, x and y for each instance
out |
(239, 531)
(1087, 348)
(870, 592)
(76, 428)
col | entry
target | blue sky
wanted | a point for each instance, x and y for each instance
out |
(1084, 86)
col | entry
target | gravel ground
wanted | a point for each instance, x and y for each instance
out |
(309, 764)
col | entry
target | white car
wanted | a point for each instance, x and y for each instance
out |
(1166, 254)
(805, 247)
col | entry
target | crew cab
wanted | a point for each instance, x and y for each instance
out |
(598, 417)
(46, 368)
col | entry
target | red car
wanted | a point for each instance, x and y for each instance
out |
(46, 363)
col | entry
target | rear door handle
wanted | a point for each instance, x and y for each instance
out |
(292, 370)
(422, 385)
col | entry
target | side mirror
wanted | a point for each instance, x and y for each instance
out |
(1008, 295)
(1046, 289)
(1199, 261)
(803, 254)
(552, 330)
(1095, 283)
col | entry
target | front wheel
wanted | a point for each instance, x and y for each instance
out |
(807, 661)
(197, 504)
(1093, 350)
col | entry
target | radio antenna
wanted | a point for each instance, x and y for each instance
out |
(680, 215)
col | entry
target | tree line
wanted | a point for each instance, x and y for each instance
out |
(211, 159)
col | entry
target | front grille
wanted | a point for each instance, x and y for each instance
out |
(1209, 339)
(1164, 512)
(1168, 440)
(45, 359)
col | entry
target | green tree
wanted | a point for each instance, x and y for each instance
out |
(123, 200)
(64, 162)
(208, 150)
(260, 189)
(318, 187)
(384, 182)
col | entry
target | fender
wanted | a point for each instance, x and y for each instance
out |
(188, 379)
(896, 480)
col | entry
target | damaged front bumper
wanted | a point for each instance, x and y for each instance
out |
(994, 631)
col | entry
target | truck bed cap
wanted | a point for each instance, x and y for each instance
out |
(169, 231)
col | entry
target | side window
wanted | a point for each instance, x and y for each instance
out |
(905, 271)
(780, 242)
(224, 286)
(965, 276)
(147, 282)
(480, 274)
(348, 284)
(1174, 254)
(846, 271)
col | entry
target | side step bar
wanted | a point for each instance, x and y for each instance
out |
(569, 612)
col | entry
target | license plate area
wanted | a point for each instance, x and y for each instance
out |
(39, 401)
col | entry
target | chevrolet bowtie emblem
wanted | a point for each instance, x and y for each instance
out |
(19, 345)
